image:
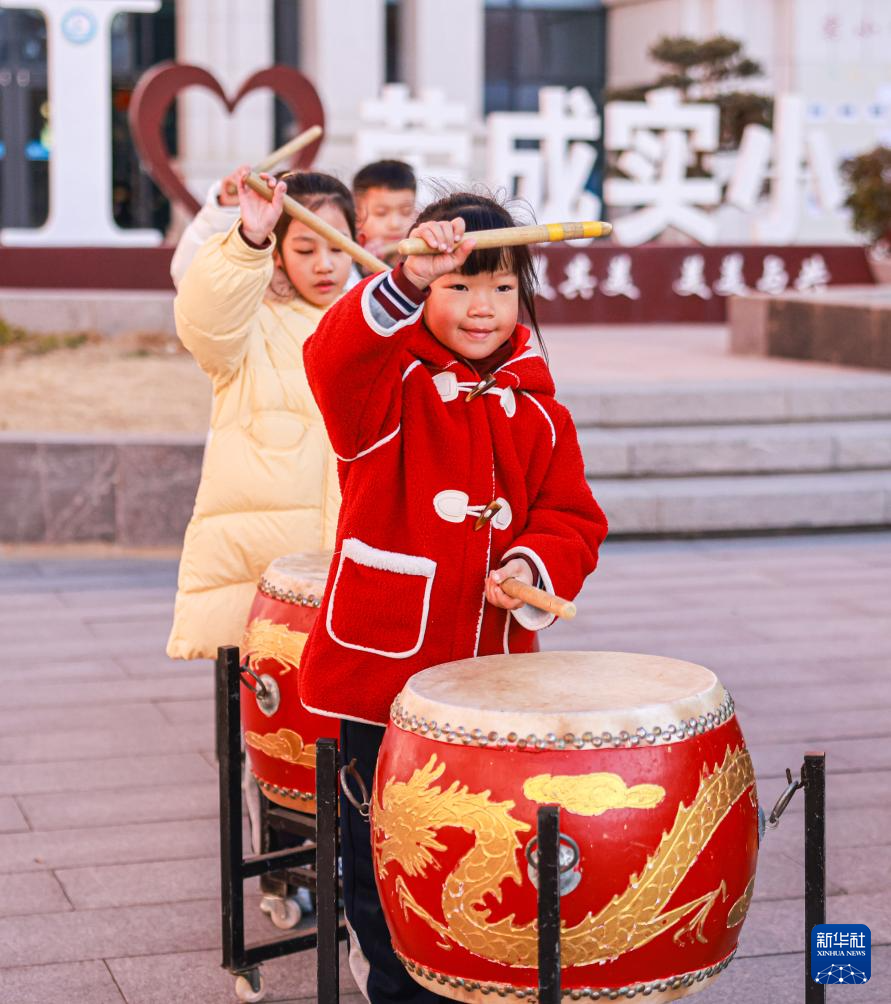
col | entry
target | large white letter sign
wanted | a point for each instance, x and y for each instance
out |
(552, 178)
(79, 74)
(658, 137)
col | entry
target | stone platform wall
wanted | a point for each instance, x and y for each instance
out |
(846, 326)
(133, 491)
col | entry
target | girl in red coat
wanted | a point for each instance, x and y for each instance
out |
(458, 470)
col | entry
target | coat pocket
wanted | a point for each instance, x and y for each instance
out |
(380, 600)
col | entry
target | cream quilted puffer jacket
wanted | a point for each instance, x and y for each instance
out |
(269, 477)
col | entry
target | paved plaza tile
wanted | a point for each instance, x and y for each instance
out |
(109, 842)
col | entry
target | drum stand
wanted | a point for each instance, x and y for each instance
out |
(313, 865)
(812, 779)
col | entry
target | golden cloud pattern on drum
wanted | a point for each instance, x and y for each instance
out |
(284, 745)
(591, 794)
(264, 639)
(737, 912)
(407, 815)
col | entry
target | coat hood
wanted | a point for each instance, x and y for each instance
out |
(524, 369)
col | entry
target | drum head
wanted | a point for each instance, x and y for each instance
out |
(564, 694)
(301, 574)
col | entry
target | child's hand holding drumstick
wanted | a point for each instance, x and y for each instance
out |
(445, 236)
(517, 569)
(510, 586)
(259, 216)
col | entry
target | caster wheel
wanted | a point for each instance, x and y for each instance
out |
(285, 914)
(250, 988)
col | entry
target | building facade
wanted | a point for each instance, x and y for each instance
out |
(485, 55)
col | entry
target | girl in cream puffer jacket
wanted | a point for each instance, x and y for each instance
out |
(269, 478)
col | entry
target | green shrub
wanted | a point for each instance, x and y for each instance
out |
(869, 197)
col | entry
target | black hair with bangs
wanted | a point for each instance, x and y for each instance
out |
(313, 189)
(482, 212)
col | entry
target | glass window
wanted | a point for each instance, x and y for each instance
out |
(530, 44)
(536, 43)
(392, 41)
(25, 144)
(138, 41)
(286, 51)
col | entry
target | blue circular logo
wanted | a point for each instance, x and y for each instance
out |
(79, 26)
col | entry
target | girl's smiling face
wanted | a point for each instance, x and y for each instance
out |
(473, 315)
(317, 269)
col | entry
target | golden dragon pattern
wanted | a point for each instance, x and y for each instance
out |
(408, 815)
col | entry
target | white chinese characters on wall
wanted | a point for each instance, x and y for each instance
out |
(656, 138)
(576, 279)
(546, 157)
(791, 160)
(760, 194)
(427, 131)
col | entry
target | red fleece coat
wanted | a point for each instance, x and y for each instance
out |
(406, 587)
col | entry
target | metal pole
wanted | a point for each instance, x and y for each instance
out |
(228, 675)
(549, 904)
(814, 777)
(326, 872)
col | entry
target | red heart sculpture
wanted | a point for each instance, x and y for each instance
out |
(157, 88)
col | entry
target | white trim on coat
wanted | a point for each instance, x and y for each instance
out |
(528, 616)
(385, 561)
(528, 395)
(372, 448)
(369, 317)
(479, 623)
(386, 439)
(341, 716)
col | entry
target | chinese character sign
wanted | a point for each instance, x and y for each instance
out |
(546, 157)
(428, 132)
(656, 139)
(790, 159)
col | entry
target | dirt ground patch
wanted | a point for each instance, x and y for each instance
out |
(143, 385)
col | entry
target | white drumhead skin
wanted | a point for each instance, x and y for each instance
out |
(562, 692)
(299, 573)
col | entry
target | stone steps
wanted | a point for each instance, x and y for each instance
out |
(739, 456)
(854, 396)
(702, 450)
(766, 502)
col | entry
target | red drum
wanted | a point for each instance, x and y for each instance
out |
(658, 823)
(279, 733)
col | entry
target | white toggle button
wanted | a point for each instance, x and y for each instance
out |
(446, 385)
(449, 388)
(452, 506)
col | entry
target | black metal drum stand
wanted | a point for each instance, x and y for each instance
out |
(312, 865)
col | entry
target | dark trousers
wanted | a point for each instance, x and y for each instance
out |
(387, 980)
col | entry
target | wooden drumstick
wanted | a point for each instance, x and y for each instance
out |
(535, 597)
(289, 149)
(293, 208)
(539, 233)
(283, 153)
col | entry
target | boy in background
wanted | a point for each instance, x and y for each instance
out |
(385, 193)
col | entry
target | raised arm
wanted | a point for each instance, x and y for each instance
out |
(222, 289)
(354, 359)
(218, 213)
